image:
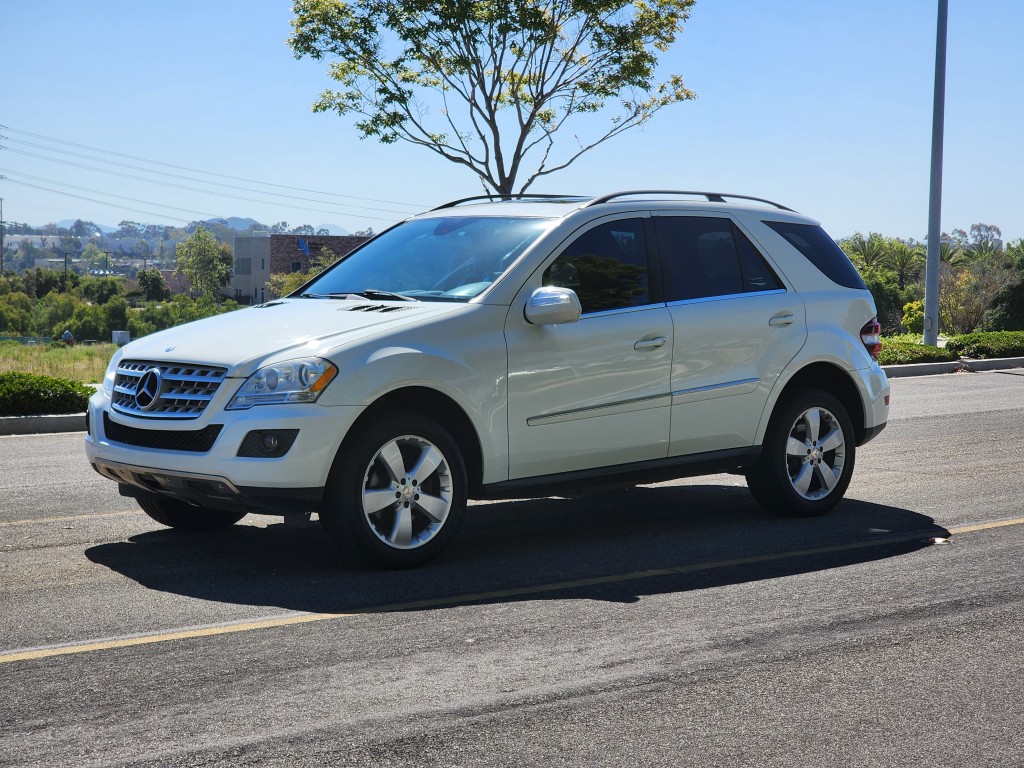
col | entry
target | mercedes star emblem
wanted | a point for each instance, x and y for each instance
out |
(147, 392)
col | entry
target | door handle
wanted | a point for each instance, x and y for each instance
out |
(650, 343)
(782, 319)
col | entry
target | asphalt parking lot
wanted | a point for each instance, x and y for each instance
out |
(668, 625)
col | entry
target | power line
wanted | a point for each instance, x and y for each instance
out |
(175, 176)
(91, 200)
(195, 189)
(107, 194)
(209, 173)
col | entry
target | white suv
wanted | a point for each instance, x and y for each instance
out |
(507, 348)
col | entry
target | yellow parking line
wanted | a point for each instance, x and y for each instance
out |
(465, 599)
(185, 634)
(987, 526)
(67, 519)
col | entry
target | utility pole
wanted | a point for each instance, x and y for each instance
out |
(1, 237)
(933, 263)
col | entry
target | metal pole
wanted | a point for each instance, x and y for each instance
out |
(933, 262)
(1, 237)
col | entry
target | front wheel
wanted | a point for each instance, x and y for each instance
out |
(807, 457)
(187, 517)
(397, 494)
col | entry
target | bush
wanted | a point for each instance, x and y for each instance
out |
(990, 344)
(902, 352)
(28, 394)
(913, 316)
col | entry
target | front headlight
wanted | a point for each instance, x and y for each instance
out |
(294, 381)
(111, 375)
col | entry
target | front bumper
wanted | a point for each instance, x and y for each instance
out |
(212, 473)
(208, 490)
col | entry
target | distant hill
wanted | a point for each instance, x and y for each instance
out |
(236, 223)
(69, 223)
(233, 223)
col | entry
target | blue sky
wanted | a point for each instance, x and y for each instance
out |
(823, 106)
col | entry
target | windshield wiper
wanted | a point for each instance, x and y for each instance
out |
(369, 293)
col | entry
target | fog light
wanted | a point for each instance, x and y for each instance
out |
(267, 443)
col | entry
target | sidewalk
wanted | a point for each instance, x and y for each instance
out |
(40, 425)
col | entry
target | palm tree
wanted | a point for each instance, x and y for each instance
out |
(905, 260)
(864, 251)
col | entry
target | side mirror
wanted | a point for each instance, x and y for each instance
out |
(550, 306)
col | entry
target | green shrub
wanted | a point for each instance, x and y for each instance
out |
(913, 316)
(28, 394)
(988, 344)
(901, 352)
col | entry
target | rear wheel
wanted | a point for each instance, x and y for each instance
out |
(807, 457)
(397, 494)
(187, 517)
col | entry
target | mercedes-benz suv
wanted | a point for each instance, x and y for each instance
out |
(507, 348)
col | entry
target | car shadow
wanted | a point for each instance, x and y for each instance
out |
(616, 546)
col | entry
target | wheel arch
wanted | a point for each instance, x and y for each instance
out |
(439, 407)
(828, 378)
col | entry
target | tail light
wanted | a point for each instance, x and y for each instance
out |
(871, 335)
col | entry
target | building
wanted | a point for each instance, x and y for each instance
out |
(261, 254)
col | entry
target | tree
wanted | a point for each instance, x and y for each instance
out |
(863, 251)
(285, 283)
(966, 294)
(985, 233)
(128, 230)
(489, 84)
(204, 262)
(100, 290)
(1007, 314)
(905, 259)
(152, 285)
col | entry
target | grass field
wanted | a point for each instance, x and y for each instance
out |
(78, 363)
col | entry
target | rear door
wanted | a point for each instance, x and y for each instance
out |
(736, 326)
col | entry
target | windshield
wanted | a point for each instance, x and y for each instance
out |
(449, 259)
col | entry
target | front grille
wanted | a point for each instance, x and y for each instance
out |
(192, 441)
(165, 390)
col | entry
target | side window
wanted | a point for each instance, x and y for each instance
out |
(821, 250)
(606, 266)
(707, 256)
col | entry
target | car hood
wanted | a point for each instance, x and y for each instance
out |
(244, 339)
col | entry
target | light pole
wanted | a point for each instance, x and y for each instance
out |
(106, 256)
(66, 266)
(933, 263)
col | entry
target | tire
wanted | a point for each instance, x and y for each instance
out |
(186, 517)
(807, 458)
(397, 493)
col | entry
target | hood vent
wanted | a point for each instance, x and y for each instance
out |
(376, 308)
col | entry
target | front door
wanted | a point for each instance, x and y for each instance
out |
(596, 392)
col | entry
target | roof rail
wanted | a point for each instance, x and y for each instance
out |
(712, 197)
(505, 198)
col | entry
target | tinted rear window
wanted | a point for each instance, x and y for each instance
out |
(821, 250)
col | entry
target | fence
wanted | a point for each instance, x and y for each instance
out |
(28, 339)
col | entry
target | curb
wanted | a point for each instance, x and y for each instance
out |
(963, 365)
(75, 422)
(41, 425)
